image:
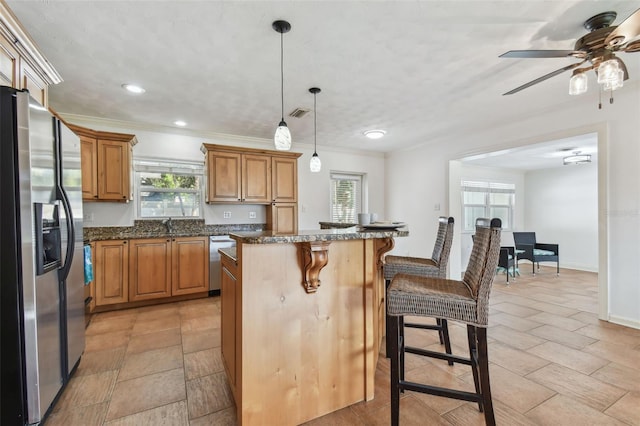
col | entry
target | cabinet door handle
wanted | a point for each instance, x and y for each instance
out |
(124, 196)
(124, 242)
(95, 196)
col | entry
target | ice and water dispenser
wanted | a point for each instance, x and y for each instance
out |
(47, 236)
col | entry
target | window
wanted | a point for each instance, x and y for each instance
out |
(487, 199)
(168, 189)
(346, 197)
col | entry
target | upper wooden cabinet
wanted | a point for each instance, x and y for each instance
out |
(284, 178)
(22, 66)
(238, 178)
(106, 164)
(246, 175)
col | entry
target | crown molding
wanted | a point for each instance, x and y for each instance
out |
(12, 29)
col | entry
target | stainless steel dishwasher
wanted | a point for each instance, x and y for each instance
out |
(216, 242)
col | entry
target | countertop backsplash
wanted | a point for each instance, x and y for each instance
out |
(156, 228)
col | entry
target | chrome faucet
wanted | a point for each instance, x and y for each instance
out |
(168, 224)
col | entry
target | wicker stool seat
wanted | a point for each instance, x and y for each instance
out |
(466, 301)
(435, 267)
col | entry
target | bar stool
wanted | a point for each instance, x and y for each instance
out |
(435, 267)
(466, 301)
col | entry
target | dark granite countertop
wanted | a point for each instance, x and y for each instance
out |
(271, 237)
(156, 229)
(338, 225)
(230, 252)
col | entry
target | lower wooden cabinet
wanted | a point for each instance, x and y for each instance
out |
(229, 300)
(165, 267)
(138, 270)
(190, 265)
(111, 272)
(149, 269)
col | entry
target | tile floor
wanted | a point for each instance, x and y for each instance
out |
(552, 363)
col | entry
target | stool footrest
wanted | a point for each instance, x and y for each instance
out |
(423, 326)
(438, 355)
(438, 391)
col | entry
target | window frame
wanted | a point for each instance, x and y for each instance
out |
(362, 199)
(158, 165)
(487, 187)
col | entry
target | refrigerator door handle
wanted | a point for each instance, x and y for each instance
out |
(71, 235)
(64, 270)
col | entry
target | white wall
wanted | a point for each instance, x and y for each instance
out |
(562, 208)
(174, 144)
(418, 178)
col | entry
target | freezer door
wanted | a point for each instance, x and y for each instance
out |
(71, 182)
(41, 301)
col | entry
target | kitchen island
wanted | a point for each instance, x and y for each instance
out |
(302, 321)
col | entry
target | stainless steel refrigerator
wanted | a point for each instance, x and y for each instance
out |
(41, 258)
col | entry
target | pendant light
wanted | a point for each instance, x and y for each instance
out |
(282, 138)
(315, 165)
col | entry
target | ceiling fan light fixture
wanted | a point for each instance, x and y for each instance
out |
(282, 137)
(576, 158)
(615, 83)
(578, 83)
(608, 71)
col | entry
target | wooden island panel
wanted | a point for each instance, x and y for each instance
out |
(302, 355)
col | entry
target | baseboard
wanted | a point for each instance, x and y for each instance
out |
(214, 293)
(627, 322)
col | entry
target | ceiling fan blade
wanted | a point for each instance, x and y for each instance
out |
(538, 54)
(626, 31)
(544, 77)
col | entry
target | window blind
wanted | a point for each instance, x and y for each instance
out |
(346, 197)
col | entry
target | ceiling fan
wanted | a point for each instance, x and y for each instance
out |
(596, 50)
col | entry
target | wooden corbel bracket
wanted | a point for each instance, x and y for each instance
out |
(315, 256)
(383, 245)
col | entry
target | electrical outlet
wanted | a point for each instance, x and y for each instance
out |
(436, 207)
(227, 215)
(252, 215)
(87, 217)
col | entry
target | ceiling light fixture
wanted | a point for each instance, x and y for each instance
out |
(132, 88)
(180, 123)
(282, 137)
(578, 83)
(375, 134)
(576, 158)
(315, 164)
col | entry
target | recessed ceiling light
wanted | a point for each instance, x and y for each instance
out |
(133, 88)
(375, 134)
(180, 123)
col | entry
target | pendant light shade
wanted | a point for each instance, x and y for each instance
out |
(315, 165)
(282, 137)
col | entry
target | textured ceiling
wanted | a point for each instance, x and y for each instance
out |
(420, 70)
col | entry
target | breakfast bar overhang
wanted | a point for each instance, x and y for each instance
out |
(302, 321)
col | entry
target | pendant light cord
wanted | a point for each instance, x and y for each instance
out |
(282, 75)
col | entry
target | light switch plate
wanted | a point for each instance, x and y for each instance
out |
(227, 215)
